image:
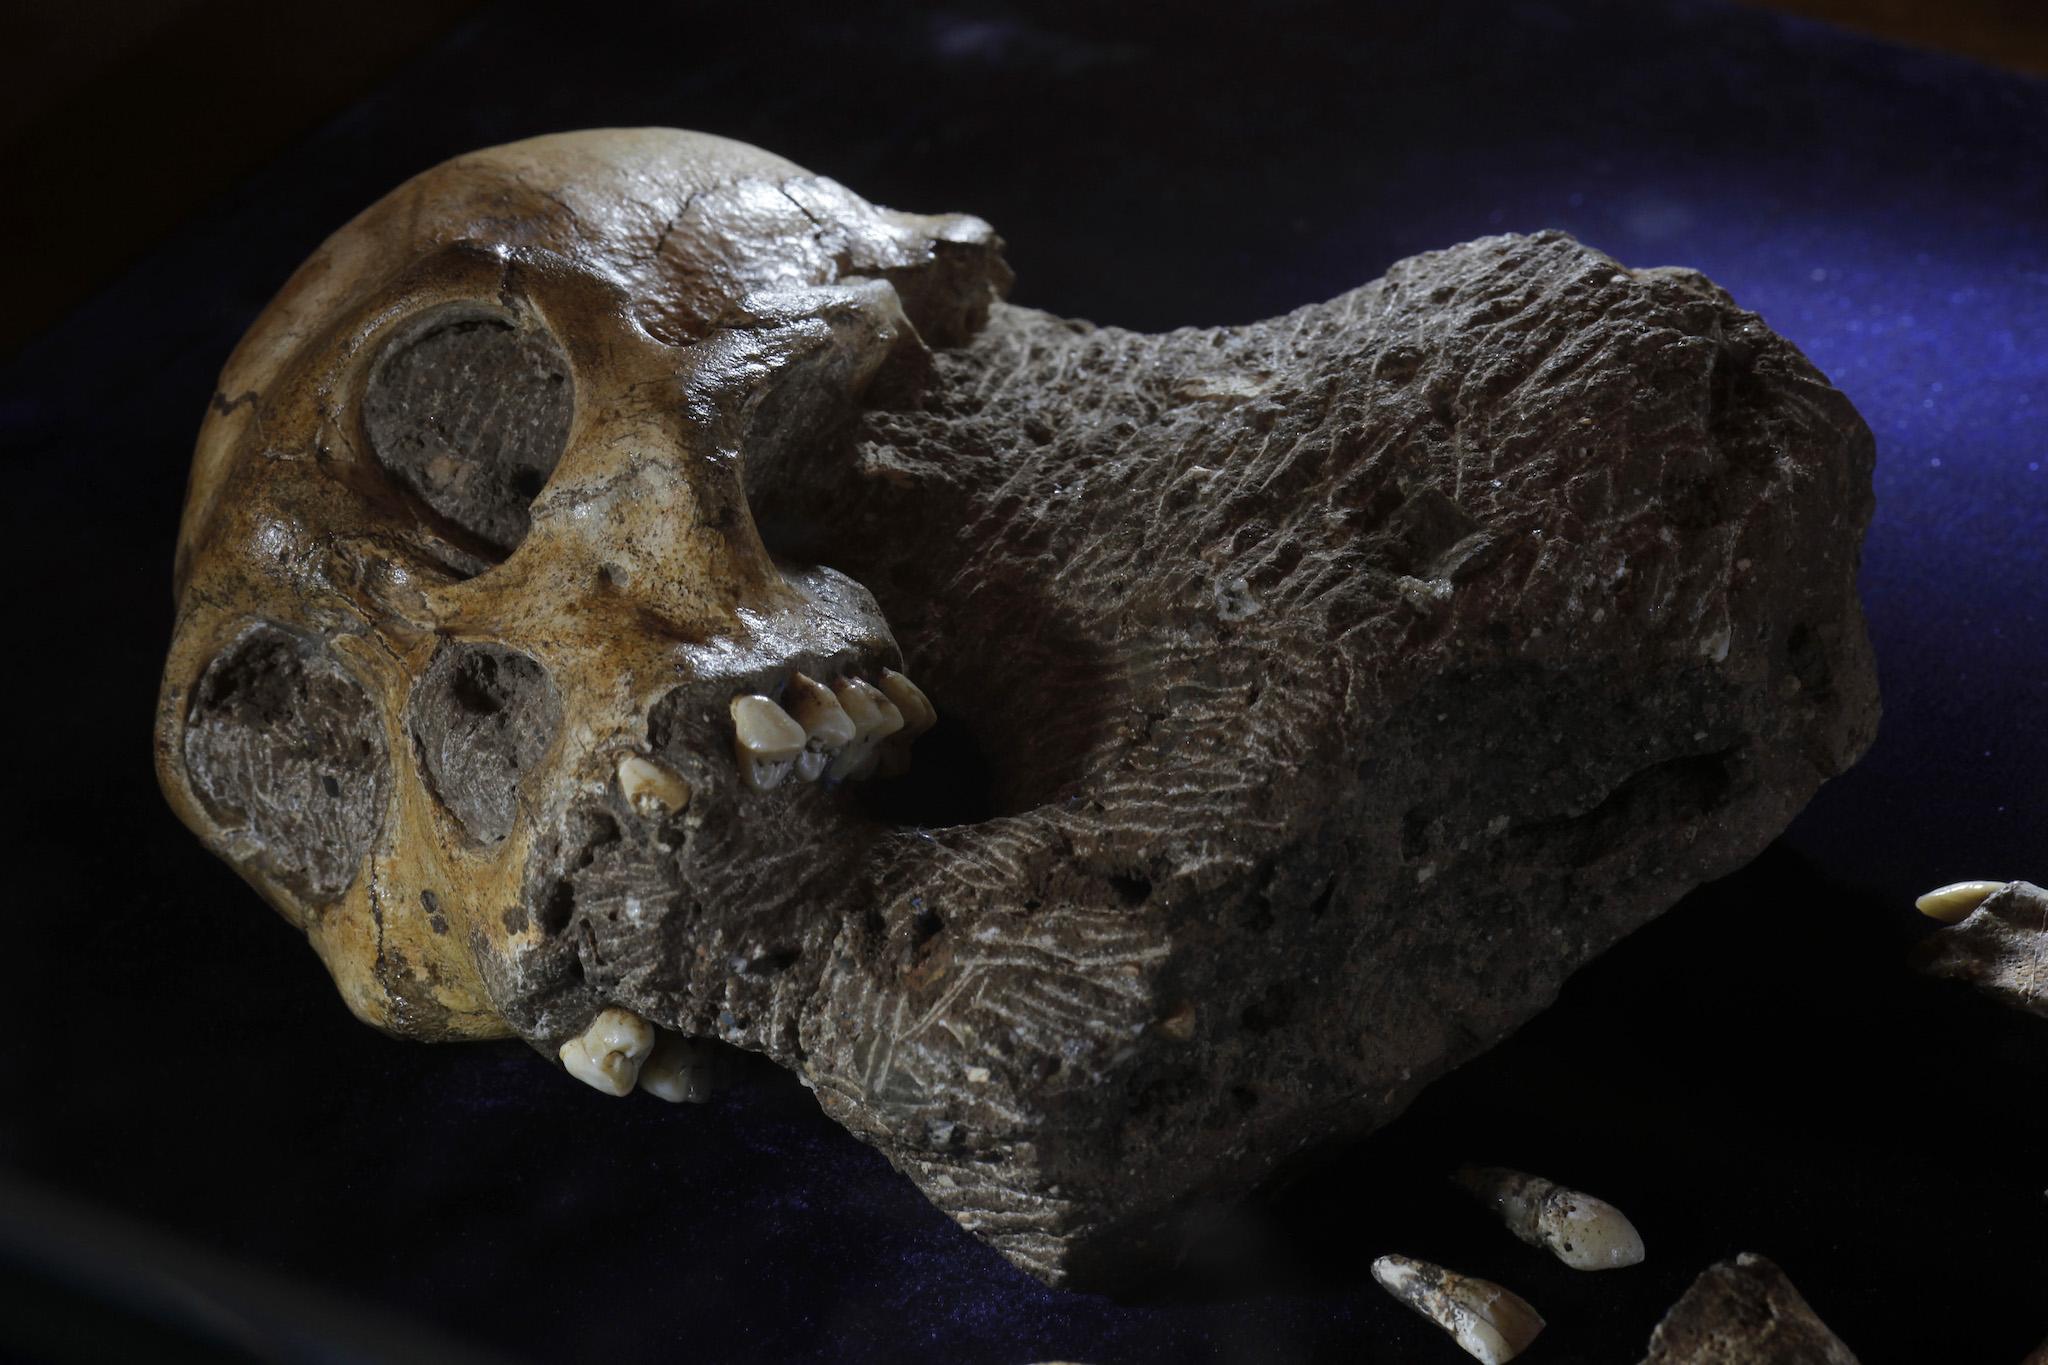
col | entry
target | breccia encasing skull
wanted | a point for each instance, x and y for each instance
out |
(1310, 697)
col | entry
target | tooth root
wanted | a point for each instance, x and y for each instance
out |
(766, 741)
(650, 788)
(827, 727)
(1953, 903)
(919, 715)
(1583, 1232)
(608, 1055)
(874, 717)
(1492, 1324)
(684, 1070)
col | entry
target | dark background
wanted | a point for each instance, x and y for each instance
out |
(201, 1153)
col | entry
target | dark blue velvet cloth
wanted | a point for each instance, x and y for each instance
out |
(1757, 1071)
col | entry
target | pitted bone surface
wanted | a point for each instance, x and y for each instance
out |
(1313, 696)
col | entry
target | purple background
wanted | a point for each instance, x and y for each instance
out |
(1757, 1071)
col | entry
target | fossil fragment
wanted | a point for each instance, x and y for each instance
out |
(1744, 1312)
(1492, 1324)
(1296, 704)
(1583, 1232)
(1998, 942)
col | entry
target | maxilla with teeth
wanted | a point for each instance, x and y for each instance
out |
(608, 1055)
(1583, 1232)
(766, 740)
(1492, 1324)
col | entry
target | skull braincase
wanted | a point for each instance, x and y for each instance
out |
(1317, 693)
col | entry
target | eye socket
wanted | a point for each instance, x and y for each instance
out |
(285, 747)
(471, 413)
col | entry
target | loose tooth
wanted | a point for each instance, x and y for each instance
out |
(649, 788)
(766, 740)
(1492, 1324)
(684, 1070)
(1583, 1232)
(874, 717)
(608, 1055)
(918, 716)
(1953, 903)
(827, 727)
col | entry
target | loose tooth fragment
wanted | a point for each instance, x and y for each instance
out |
(1583, 1232)
(766, 740)
(651, 789)
(827, 727)
(1492, 1324)
(1953, 903)
(918, 716)
(874, 717)
(684, 1070)
(608, 1055)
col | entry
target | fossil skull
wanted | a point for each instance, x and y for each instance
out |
(476, 538)
(1310, 697)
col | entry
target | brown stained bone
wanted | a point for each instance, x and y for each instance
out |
(1315, 695)
(1744, 1312)
(2001, 948)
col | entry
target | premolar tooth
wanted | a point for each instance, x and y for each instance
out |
(918, 716)
(1953, 903)
(649, 788)
(608, 1055)
(1583, 1232)
(683, 1070)
(1492, 1324)
(874, 718)
(766, 740)
(827, 727)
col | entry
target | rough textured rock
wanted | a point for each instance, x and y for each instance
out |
(2001, 948)
(1744, 1312)
(1316, 695)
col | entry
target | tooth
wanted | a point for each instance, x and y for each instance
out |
(607, 1056)
(650, 788)
(874, 718)
(766, 741)
(1583, 1232)
(683, 1070)
(918, 717)
(827, 727)
(1492, 1324)
(1953, 903)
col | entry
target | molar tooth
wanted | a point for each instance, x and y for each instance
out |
(874, 717)
(1583, 1232)
(608, 1055)
(1492, 1324)
(827, 727)
(766, 740)
(683, 1070)
(918, 713)
(918, 716)
(650, 788)
(1953, 903)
